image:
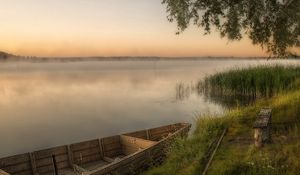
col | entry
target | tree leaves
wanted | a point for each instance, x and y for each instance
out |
(272, 24)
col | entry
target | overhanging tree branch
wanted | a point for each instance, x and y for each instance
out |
(272, 24)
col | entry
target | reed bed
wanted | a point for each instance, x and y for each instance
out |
(252, 82)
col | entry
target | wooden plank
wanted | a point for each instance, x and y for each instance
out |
(84, 145)
(112, 139)
(18, 168)
(113, 153)
(14, 160)
(51, 151)
(108, 159)
(154, 132)
(113, 144)
(23, 173)
(45, 169)
(112, 147)
(127, 150)
(95, 164)
(161, 129)
(86, 152)
(140, 134)
(136, 142)
(263, 118)
(63, 165)
(48, 160)
(3, 172)
(87, 159)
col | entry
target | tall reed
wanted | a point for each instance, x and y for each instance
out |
(252, 82)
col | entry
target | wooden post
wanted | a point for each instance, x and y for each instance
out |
(262, 127)
(70, 156)
(258, 137)
(101, 148)
(54, 165)
(32, 162)
(148, 134)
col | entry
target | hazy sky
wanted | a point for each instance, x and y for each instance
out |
(104, 28)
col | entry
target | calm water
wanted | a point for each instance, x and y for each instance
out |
(49, 104)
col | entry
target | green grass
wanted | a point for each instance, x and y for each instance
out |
(237, 155)
(280, 157)
(187, 156)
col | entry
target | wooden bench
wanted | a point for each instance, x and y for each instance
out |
(262, 127)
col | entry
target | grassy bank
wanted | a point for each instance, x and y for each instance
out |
(237, 155)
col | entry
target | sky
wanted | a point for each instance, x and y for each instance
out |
(105, 28)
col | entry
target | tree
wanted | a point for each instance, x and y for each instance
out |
(272, 24)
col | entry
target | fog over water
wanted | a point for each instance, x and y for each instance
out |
(49, 104)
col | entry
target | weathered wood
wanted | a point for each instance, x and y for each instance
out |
(14, 160)
(33, 165)
(54, 165)
(148, 134)
(3, 172)
(135, 143)
(128, 153)
(113, 153)
(84, 145)
(51, 151)
(262, 127)
(108, 159)
(48, 160)
(45, 169)
(101, 147)
(110, 140)
(18, 168)
(70, 156)
(140, 134)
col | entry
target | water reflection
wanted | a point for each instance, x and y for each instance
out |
(185, 90)
(49, 104)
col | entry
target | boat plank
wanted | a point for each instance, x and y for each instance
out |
(3, 172)
(84, 145)
(140, 134)
(45, 169)
(86, 152)
(87, 159)
(23, 173)
(112, 139)
(62, 150)
(26, 166)
(14, 160)
(113, 153)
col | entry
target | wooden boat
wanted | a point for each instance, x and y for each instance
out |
(129, 153)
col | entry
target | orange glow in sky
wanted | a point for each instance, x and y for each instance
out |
(105, 28)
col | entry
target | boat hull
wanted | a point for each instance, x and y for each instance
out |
(129, 153)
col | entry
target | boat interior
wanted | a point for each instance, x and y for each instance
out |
(85, 156)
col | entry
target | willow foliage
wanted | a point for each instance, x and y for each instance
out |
(272, 24)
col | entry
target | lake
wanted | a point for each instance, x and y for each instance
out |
(49, 104)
